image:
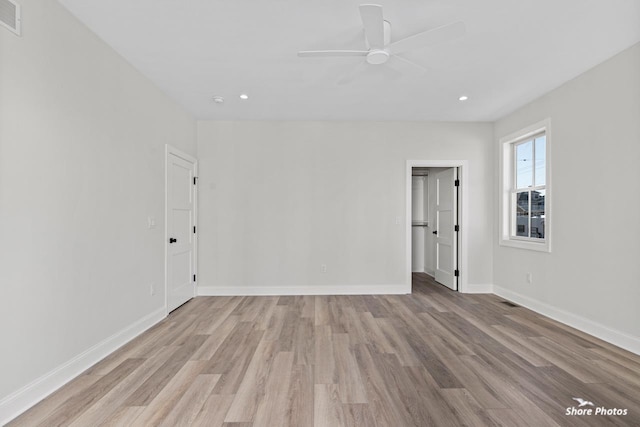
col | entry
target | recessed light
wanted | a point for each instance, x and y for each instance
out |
(218, 99)
(244, 96)
(463, 98)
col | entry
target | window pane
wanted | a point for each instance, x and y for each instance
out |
(540, 160)
(524, 164)
(538, 214)
(522, 214)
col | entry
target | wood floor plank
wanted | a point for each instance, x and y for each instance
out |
(514, 397)
(580, 368)
(406, 397)
(325, 363)
(97, 413)
(156, 382)
(437, 410)
(518, 344)
(336, 319)
(467, 408)
(288, 331)
(620, 360)
(213, 411)
(210, 325)
(216, 338)
(123, 417)
(358, 415)
(234, 370)
(350, 385)
(252, 388)
(481, 391)
(301, 396)
(506, 418)
(432, 358)
(382, 399)
(185, 411)
(164, 402)
(139, 347)
(614, 396)
(430, 361)
(235, 341)
(79, 402)
(274, 328)
(399, 345)
(327, 410)
(257, 307)
(273, 408)
(303, 342)
(435, 327)
(321, 310)
(45, 408)
(308, 307)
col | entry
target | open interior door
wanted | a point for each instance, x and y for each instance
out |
(445, 222)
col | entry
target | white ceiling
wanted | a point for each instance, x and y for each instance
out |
(513, 52)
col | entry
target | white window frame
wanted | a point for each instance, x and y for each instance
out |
(507, 188)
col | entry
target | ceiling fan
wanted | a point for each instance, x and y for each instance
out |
(380, 49)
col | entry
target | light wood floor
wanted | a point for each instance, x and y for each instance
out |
(434, 358)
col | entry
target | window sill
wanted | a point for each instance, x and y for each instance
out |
(523, 244)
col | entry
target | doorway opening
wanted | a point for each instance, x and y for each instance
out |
(436, 219)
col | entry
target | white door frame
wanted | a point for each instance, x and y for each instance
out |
(169, 150)
(463, 172)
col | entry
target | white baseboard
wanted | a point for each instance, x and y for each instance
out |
(19, 401)
(303, 290)
(478, 288)
(605, 333)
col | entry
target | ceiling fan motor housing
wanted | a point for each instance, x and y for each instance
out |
(377, 56)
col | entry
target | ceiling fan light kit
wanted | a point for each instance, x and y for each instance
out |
(380, 49)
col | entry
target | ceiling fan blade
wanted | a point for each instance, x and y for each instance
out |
(322, 53)
(427, 38)
(416, 68)
(373, 23)
(405, 66)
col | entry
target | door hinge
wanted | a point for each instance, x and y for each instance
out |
(194, 277)
(195, 180)
(455, 228)
(455, 273)
(194, 229)
(456, 183)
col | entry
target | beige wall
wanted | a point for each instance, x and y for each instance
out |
(279, 199)
(82, 138)
(593, 270)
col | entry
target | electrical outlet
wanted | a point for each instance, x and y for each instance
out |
(529, 277)
(323, 268)
(152, 290)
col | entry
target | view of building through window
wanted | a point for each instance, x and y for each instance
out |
(529, 192)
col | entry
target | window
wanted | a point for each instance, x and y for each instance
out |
(525, 200)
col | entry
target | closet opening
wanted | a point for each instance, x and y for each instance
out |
(435, 223)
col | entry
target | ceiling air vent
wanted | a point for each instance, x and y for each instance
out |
(10, 15)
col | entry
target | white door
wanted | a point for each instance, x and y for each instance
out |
(445, 222)
(180, 244)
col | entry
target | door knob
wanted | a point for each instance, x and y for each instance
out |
(435, 232)
(172, 240)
